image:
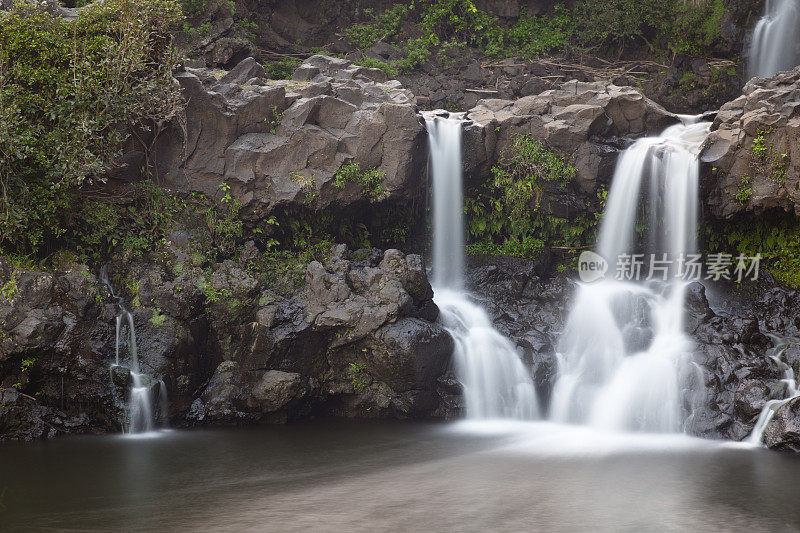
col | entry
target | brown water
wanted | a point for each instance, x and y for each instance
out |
(396, 477)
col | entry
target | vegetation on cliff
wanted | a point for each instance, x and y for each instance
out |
(659, 28)
(509, 215)
(71, 92)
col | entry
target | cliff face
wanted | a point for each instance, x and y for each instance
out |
(357, 338)
(357, 335)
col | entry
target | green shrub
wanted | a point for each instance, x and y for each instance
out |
(282, 69)
(69, 93)
(774, 234)
(370, 179)
(505, 215)
(380, 28)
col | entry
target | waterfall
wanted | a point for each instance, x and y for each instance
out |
(624, 360)
(495, 381)
(790, 389)
(144, 393)
(776, 37)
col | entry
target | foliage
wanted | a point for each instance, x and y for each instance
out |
(533, 36)
(70, 91)
(765, 160)
(666, 27)
(359, 376)
(387, 68)
(505, 215)
(224, 221)
(380, 28)
(282, 69)
(370, 179)
(193, 8)
(10, 289)
(775, 235)
(99, 227)
(158, 318)
(744, 191)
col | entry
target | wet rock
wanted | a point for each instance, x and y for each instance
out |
(411, 354)
(783, 431)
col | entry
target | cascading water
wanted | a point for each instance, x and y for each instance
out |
(789, 382)
(776, 39)
(144, 393)
(624, 359)
(496, 383)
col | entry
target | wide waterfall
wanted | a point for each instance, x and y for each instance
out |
(776, 39)
(624, 359)
(495, 381)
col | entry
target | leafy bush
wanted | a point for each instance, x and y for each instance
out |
(380, 28)
(282, 69)
(505, 215)
(608, 26)
(387, 68)
(70, 91)
(370, 179)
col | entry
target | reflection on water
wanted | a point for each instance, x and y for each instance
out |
(397, 476)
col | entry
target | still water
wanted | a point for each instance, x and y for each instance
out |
(397, 477)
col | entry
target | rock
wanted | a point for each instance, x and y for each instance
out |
(279, 143)
(752, 157)
(572, 120)
(783, 431)
(410, 354)
(277, 389)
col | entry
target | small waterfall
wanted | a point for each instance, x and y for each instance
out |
(496, 383)
(624, 359)
(144, 392)
(791, 391)
(776, 37)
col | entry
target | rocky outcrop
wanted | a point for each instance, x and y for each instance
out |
(585, 122)
(356, 338)
(752, 153)
(279, 143)
(56, 337)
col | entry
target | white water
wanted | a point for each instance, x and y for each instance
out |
(496, 384)
(140, 409)
(790, 390)
(624, 360)
(776, 39)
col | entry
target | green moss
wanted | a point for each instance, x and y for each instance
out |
(359, 377)
(158, 318)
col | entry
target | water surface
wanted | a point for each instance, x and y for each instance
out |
(340, 476)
